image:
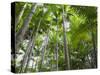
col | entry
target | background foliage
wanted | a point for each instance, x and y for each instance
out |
(53, 37)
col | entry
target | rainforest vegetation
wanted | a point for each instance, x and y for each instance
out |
(54, 37)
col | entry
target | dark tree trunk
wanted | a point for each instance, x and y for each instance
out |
(94, 52)
(57, 45)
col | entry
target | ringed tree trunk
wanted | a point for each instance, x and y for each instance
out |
(29, 49)
(33, 44)
(67, 60)
(20, 34)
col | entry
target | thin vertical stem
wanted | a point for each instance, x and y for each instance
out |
(67, 60)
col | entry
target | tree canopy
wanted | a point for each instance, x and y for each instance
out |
(54, 37)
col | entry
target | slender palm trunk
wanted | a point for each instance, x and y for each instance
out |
(17, 20)
(20, 34)
(57, 56)
(28, 60)
(36, 66)
(94, 53)
(25, 58)
(57, 46)
(67, 60)
(42, 49)
(29, 49)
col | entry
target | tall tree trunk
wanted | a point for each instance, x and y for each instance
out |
(42, 49)
(67, 60)
(56, 51)
(33, 45)
(57, 46)
(17, 20)
(28, 50)
(28, 60)
(36, 66)
(25, 58)
(94, 52)
(20, 34)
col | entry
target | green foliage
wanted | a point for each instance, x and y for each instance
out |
(83, 22)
